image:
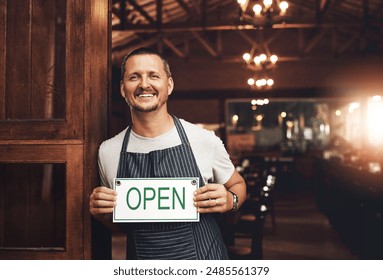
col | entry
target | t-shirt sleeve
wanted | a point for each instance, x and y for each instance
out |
(223, 168)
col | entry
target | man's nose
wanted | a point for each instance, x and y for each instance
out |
(144, 83)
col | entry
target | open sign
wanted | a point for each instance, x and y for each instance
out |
(155, 200)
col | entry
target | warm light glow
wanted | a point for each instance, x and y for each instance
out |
(283, 114)
(243, 4)
(374, 121)
(263, 82)
(376, 98)
(338, 113)
(270, 82)
(267, 3)
(254, 107)
(289, 124)
(266, 101)
(257, 9)
(353, 106)
(257, 60)
(246, 57)
(259, 118)
(273, 58)
(253, 102)
(283, 7)
(260, 102)
(258, 83)
(263, 57)
(234, 120)
(250, 82)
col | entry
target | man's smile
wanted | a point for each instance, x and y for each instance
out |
(145, 95)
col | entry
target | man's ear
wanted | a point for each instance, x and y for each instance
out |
(122, 91)
(170, 85)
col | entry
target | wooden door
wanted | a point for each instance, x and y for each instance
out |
(54, 73)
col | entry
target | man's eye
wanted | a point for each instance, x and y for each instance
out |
(133, 78)
(155, 76)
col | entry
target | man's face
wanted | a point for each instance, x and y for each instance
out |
(145, 85)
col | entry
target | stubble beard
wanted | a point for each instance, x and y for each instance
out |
(143, 109)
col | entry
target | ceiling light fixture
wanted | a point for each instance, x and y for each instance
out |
(264, 12)
(260, 62)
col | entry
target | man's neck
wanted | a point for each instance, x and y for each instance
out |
(151, 124)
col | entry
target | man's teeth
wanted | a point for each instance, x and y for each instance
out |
(146, 95)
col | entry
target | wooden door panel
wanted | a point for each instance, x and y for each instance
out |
(54, 82)
(41, 202)
(42, 69)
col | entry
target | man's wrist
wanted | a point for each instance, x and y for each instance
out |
(235, 201)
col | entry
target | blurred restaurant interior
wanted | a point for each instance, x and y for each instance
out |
(293, 88)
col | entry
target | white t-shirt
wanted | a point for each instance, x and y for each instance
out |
(212, 158)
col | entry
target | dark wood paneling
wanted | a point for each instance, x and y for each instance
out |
(47, 205)
(32, 153)
(330, 93)
(98, 69)
(3, 26)
(40, 208)
(73, 214)
(18, 101)
(2, 201)
(190, 110)
(42, 59)
(60, 65)
(75, 61)
(74, 203)
(49, 130)
(18, 60)
(17, 220)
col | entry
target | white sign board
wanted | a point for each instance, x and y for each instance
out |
(155, 200)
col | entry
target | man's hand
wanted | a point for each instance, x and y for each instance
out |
(212, 198)
(102, 201)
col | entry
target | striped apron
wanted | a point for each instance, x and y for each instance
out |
(169, 240)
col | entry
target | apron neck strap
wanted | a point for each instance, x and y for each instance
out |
(179, 127)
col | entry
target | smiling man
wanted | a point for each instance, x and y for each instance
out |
(159, 145)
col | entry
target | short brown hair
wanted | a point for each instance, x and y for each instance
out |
(144, 50)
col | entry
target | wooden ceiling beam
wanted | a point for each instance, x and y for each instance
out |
(142, 12)
(314, 41)
(171, 46)
(181, 27)
(322, 6)
(159, 14)
(184, 6)
(205, 43)
(250, 40)
(348, 43)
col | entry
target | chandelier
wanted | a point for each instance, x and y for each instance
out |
(262, 82)
(262, 64)
(264, 12)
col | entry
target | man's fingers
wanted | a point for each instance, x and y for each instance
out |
(104, 190)
(98, 211)
(103, 203)
(103, 196)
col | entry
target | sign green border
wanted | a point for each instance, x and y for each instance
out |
(168, 179)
